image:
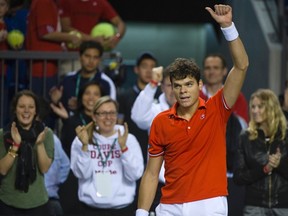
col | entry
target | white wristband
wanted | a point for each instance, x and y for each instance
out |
(230, 33)
(142, 212)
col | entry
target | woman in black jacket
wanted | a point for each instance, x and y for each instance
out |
(262, 164)
(89, 93)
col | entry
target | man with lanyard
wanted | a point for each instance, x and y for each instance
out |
(90, 58)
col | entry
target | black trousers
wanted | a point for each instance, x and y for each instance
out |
(89, 211)
(235, 198)
(6, 210)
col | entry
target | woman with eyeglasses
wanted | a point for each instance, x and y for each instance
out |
(107, 160)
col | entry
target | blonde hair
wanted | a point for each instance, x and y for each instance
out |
(275, 116)
(100, 102)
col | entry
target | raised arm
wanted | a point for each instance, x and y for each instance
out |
(142, 112)
(222, 14)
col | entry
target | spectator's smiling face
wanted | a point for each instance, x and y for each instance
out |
(258, 111)
(25, 111)
(105, 117)
(91, 94)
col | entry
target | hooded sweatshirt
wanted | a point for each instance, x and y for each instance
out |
(106, 176)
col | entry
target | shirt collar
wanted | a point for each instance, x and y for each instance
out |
(173, 111)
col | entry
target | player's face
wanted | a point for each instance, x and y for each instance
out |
(144, 70)
(214, 72)
(90, 60)
(186, 91)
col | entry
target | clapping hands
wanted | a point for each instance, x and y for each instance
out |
(123, 138)
(274, 159)
(15, 133)
(82, 134)
(41, 136)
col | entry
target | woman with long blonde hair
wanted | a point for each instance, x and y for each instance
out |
(262, 157)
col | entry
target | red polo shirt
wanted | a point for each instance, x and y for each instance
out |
(240, 107)
(194, 151)
(84, 15)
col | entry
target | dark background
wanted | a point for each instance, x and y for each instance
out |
(166, 11)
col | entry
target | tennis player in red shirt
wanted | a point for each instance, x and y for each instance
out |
(190, 137)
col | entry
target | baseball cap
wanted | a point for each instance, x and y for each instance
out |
(145, 55)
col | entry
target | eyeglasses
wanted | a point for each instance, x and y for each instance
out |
(106, 114)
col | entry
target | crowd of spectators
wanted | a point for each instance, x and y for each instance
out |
(99, 132)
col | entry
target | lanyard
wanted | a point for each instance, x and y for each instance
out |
(82, 119)
(78, 83)
(104, 162)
